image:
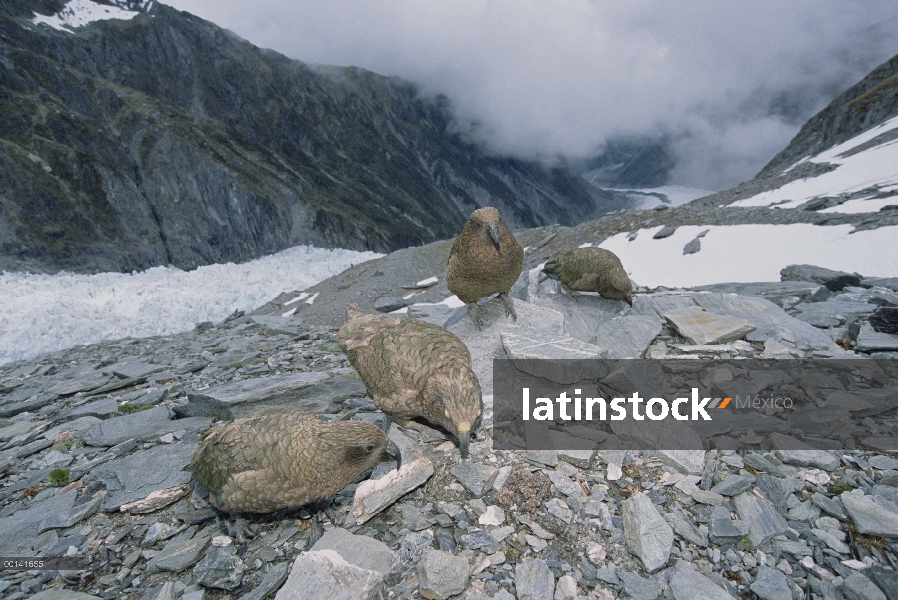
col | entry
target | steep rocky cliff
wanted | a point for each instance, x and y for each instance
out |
(163, 139)
(867, 103)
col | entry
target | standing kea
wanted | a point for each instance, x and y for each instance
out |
(484, 260)
(284, 458)
(414, 369)
(590, 270)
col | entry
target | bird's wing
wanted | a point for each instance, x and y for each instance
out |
(373, 369)
(244, 445)
(417, 349)
(617, 279)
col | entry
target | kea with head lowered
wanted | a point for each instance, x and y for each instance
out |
(590, 270)
(412, 368)
(485, 259)
(284, 458)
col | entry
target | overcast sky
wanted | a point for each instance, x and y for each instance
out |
(729, 81)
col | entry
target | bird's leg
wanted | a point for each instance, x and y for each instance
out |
(474, 313)
(509, 306)
(239, 530)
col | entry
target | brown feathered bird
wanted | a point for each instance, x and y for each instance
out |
(485, 259)
(590, 270)
(412, 368)
(284, 458)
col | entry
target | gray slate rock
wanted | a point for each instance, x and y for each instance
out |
(359, 550)
(647, 534)
(220, 568)
(137, 475)
(688, 584)
(692, 247)
(859, 587)
(686, 529)
(870, 340)
(442, 575)
(387, 304)
(732, 485)
(324, 574)
(178, 554)
(533, 580)
(626, 337)
(763, 520)
(476, 478)
(872, 515)
(771, 584)
(664, 232)
(274, 579)
(778, 292)
(19, 531)
(835, 281)
(640, 588)
(701, 327)
(316, 391)
(143, 425)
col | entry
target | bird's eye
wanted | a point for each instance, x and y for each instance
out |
(368, 448)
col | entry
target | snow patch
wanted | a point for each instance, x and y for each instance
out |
(45, 313)
(668, 195)
(874, 169)
(78, 13)
(750, 253)
(427, 282)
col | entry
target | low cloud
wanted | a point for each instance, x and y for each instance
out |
(729, 82)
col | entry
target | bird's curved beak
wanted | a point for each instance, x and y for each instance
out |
(492, 229)
(393, 451)
(630, 301)
(464, 439)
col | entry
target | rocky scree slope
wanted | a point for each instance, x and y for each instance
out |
(94, 441)
(163, 139)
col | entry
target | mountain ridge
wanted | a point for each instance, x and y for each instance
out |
(165, 140)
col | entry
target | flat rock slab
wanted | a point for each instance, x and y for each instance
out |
(869, 340)
(872, 515)
(442, 575)
(795, 452)
(701, 327)
(137, 475)
(688, 584)
(534, 580)
(534, 322)
(143, 425)
(374, 495)
(324, 574)
(771, 584)
(437, 314)
(763, 520)
(81, 383)
(319, 392)
(19, 530)
(833, 312)
(98, 408)
(647, 534)
(777, 292)
(178, 554)
(359, 550)
(134, 369)
(626, 337)
(833, 280)
(278, 325)
(477, 479)
(549, 348)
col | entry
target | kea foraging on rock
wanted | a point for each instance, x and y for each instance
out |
(414, 369)
(284, 458)
(590, 270)
(485, 259)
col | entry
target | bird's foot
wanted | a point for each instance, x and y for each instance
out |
(240, 530)
(509, 306)
(474, 313)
